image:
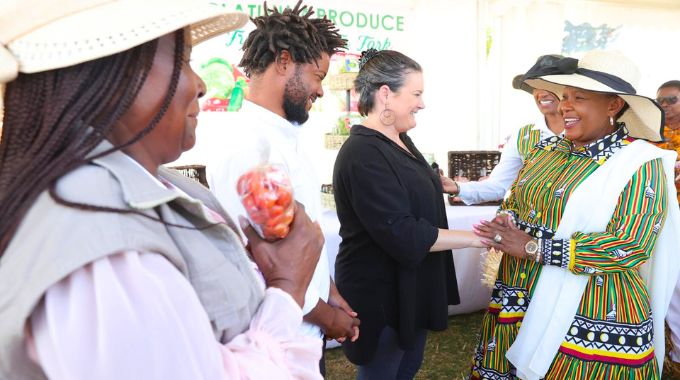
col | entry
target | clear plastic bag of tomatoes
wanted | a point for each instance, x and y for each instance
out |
(267, 195)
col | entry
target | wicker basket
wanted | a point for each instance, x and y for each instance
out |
(334, 142)
(342, 81)
(328, 201)
(327, 197)
(472, 164)
(195, 172)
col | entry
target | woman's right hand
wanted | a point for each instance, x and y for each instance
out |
(450, 186)
(288, 264)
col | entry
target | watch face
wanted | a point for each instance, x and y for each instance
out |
(531, 246)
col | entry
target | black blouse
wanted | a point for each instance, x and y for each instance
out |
(390, 206)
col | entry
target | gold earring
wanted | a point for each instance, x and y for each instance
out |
(387, 116)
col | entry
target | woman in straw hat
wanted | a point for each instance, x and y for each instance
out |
(521, 142)
(111, 266)
(590, 242)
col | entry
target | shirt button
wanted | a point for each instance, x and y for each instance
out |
(522, 276)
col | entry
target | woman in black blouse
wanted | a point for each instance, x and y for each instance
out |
(394, 265)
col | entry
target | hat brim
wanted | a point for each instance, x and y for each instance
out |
(96, 32)
(518, 83)
(643, 118)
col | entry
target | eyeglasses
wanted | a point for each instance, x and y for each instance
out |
(670, 100)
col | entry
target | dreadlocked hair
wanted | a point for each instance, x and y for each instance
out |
(293, 30)
(54, 119)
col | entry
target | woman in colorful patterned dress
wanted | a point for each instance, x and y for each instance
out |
(519, 144)
(588, 234)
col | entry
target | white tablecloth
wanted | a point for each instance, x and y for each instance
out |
(473, 296)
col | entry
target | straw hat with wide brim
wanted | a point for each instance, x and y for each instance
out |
(38, 35)
(609, 72)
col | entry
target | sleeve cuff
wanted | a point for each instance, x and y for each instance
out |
(510, 213)
(462, 189)
(556, 252)
(279, 315)
(284, 298)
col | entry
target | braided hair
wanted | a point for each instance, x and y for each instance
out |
(54, 119)
(293, 30)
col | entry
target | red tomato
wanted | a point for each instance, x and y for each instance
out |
(283, 196)
(285, 218)
(275, 211)
(255, 185)
(279, 231)
(249, 203)
(267, 196)
(265, 200)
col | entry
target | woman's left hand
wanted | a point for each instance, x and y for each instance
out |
(503, 235)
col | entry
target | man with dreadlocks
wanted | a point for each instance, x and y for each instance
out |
(286, 57)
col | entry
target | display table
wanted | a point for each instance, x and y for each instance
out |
(473, 295)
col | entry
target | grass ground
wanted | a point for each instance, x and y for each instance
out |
(447, 355)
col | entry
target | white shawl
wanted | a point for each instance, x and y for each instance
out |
(558, 291)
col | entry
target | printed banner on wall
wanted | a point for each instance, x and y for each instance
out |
(363, 24)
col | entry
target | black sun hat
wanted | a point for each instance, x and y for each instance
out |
(545, 65)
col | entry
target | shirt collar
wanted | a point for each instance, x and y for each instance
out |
(266, 117)
(365, 131)
(412, 152)
(140, 189)
(599, 150)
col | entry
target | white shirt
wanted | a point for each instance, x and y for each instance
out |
(261, 136)
(504, 174)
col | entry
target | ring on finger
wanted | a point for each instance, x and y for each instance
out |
(498, 238)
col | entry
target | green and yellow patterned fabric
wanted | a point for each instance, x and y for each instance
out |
(611, 334)
(527, 138)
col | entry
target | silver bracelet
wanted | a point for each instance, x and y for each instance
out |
(455, 193)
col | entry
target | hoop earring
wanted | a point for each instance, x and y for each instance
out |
(611, 121)
(387, 116)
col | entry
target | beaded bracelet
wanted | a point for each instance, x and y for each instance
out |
(505, 214)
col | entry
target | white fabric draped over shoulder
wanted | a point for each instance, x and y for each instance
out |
(559, 291)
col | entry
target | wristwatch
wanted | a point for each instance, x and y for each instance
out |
(531, 248)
